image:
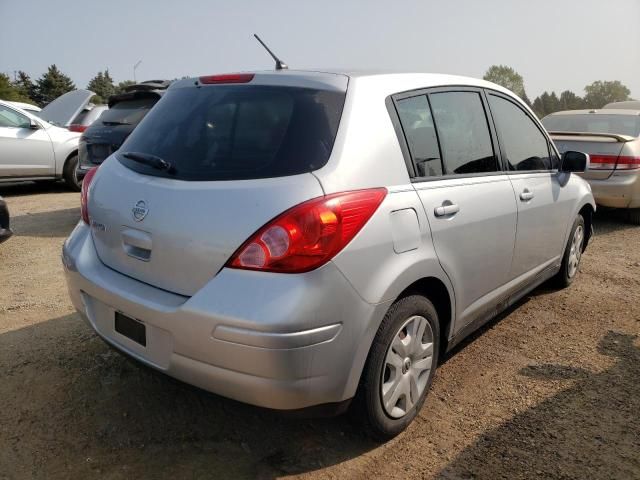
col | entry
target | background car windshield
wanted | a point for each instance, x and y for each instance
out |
(594, 123)
(238, 132)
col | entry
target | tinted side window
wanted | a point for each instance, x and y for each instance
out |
(417, 123)
(463, 132)
(523, 144)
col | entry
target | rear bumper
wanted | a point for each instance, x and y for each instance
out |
(272, 340)
(621, 190)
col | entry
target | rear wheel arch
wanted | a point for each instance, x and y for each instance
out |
(437, 292)
(442, 298)
(428, 300)
(69, 156)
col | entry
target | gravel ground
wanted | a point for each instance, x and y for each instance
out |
(549, 390)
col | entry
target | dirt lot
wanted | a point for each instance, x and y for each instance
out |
(551, 389)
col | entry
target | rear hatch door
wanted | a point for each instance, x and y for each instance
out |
(177, 235)
(64, 109)
(239, 155)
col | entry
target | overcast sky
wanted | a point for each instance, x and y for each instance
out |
(554, 44)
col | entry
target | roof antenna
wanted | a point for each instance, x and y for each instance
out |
(280, 65)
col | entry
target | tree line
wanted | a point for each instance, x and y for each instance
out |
(54, 83)
(596, 95)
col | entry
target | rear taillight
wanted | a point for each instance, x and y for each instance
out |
(628, 163)
(610, 162)
(227, 78)
(602, 162)
(84, 194)
(310, 234)
(76, 127)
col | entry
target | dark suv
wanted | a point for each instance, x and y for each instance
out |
(125, 111)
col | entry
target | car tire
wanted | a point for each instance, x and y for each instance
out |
(70, 173)
(385, 418)
(572, 254)
(634, 216)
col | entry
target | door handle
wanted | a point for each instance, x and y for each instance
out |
(526, 195)
(447, 208)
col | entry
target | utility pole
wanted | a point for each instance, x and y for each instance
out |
(134, 70)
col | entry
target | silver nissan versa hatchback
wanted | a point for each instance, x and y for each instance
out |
(299, 240)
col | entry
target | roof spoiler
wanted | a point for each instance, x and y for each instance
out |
(615, 136)
(149, 85)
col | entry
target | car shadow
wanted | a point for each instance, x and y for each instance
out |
(31, 188)
(611, 220)
(88, 402)
(53, 223)
(592, 425)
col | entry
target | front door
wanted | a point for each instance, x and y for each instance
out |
(468, 200)
(544, 204)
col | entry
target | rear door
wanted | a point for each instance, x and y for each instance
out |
(544, 205)
(468, 200)
(24, 151)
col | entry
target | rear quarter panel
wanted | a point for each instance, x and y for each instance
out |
(372, 263)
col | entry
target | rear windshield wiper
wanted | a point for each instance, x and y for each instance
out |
(149, 160)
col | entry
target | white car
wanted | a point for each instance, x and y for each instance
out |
(40, 147)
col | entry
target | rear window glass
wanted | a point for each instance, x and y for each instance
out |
(238, 132)
(128, 112)
(594, 123)
(89, 115)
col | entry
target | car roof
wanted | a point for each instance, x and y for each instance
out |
(601, 111)
(386, 82)
(625, 105)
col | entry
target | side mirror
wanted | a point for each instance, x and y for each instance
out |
(33, 125)
(574, 162)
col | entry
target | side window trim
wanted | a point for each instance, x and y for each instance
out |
(535, 121)
(411, 167)
(435, 127)
(402, 140)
